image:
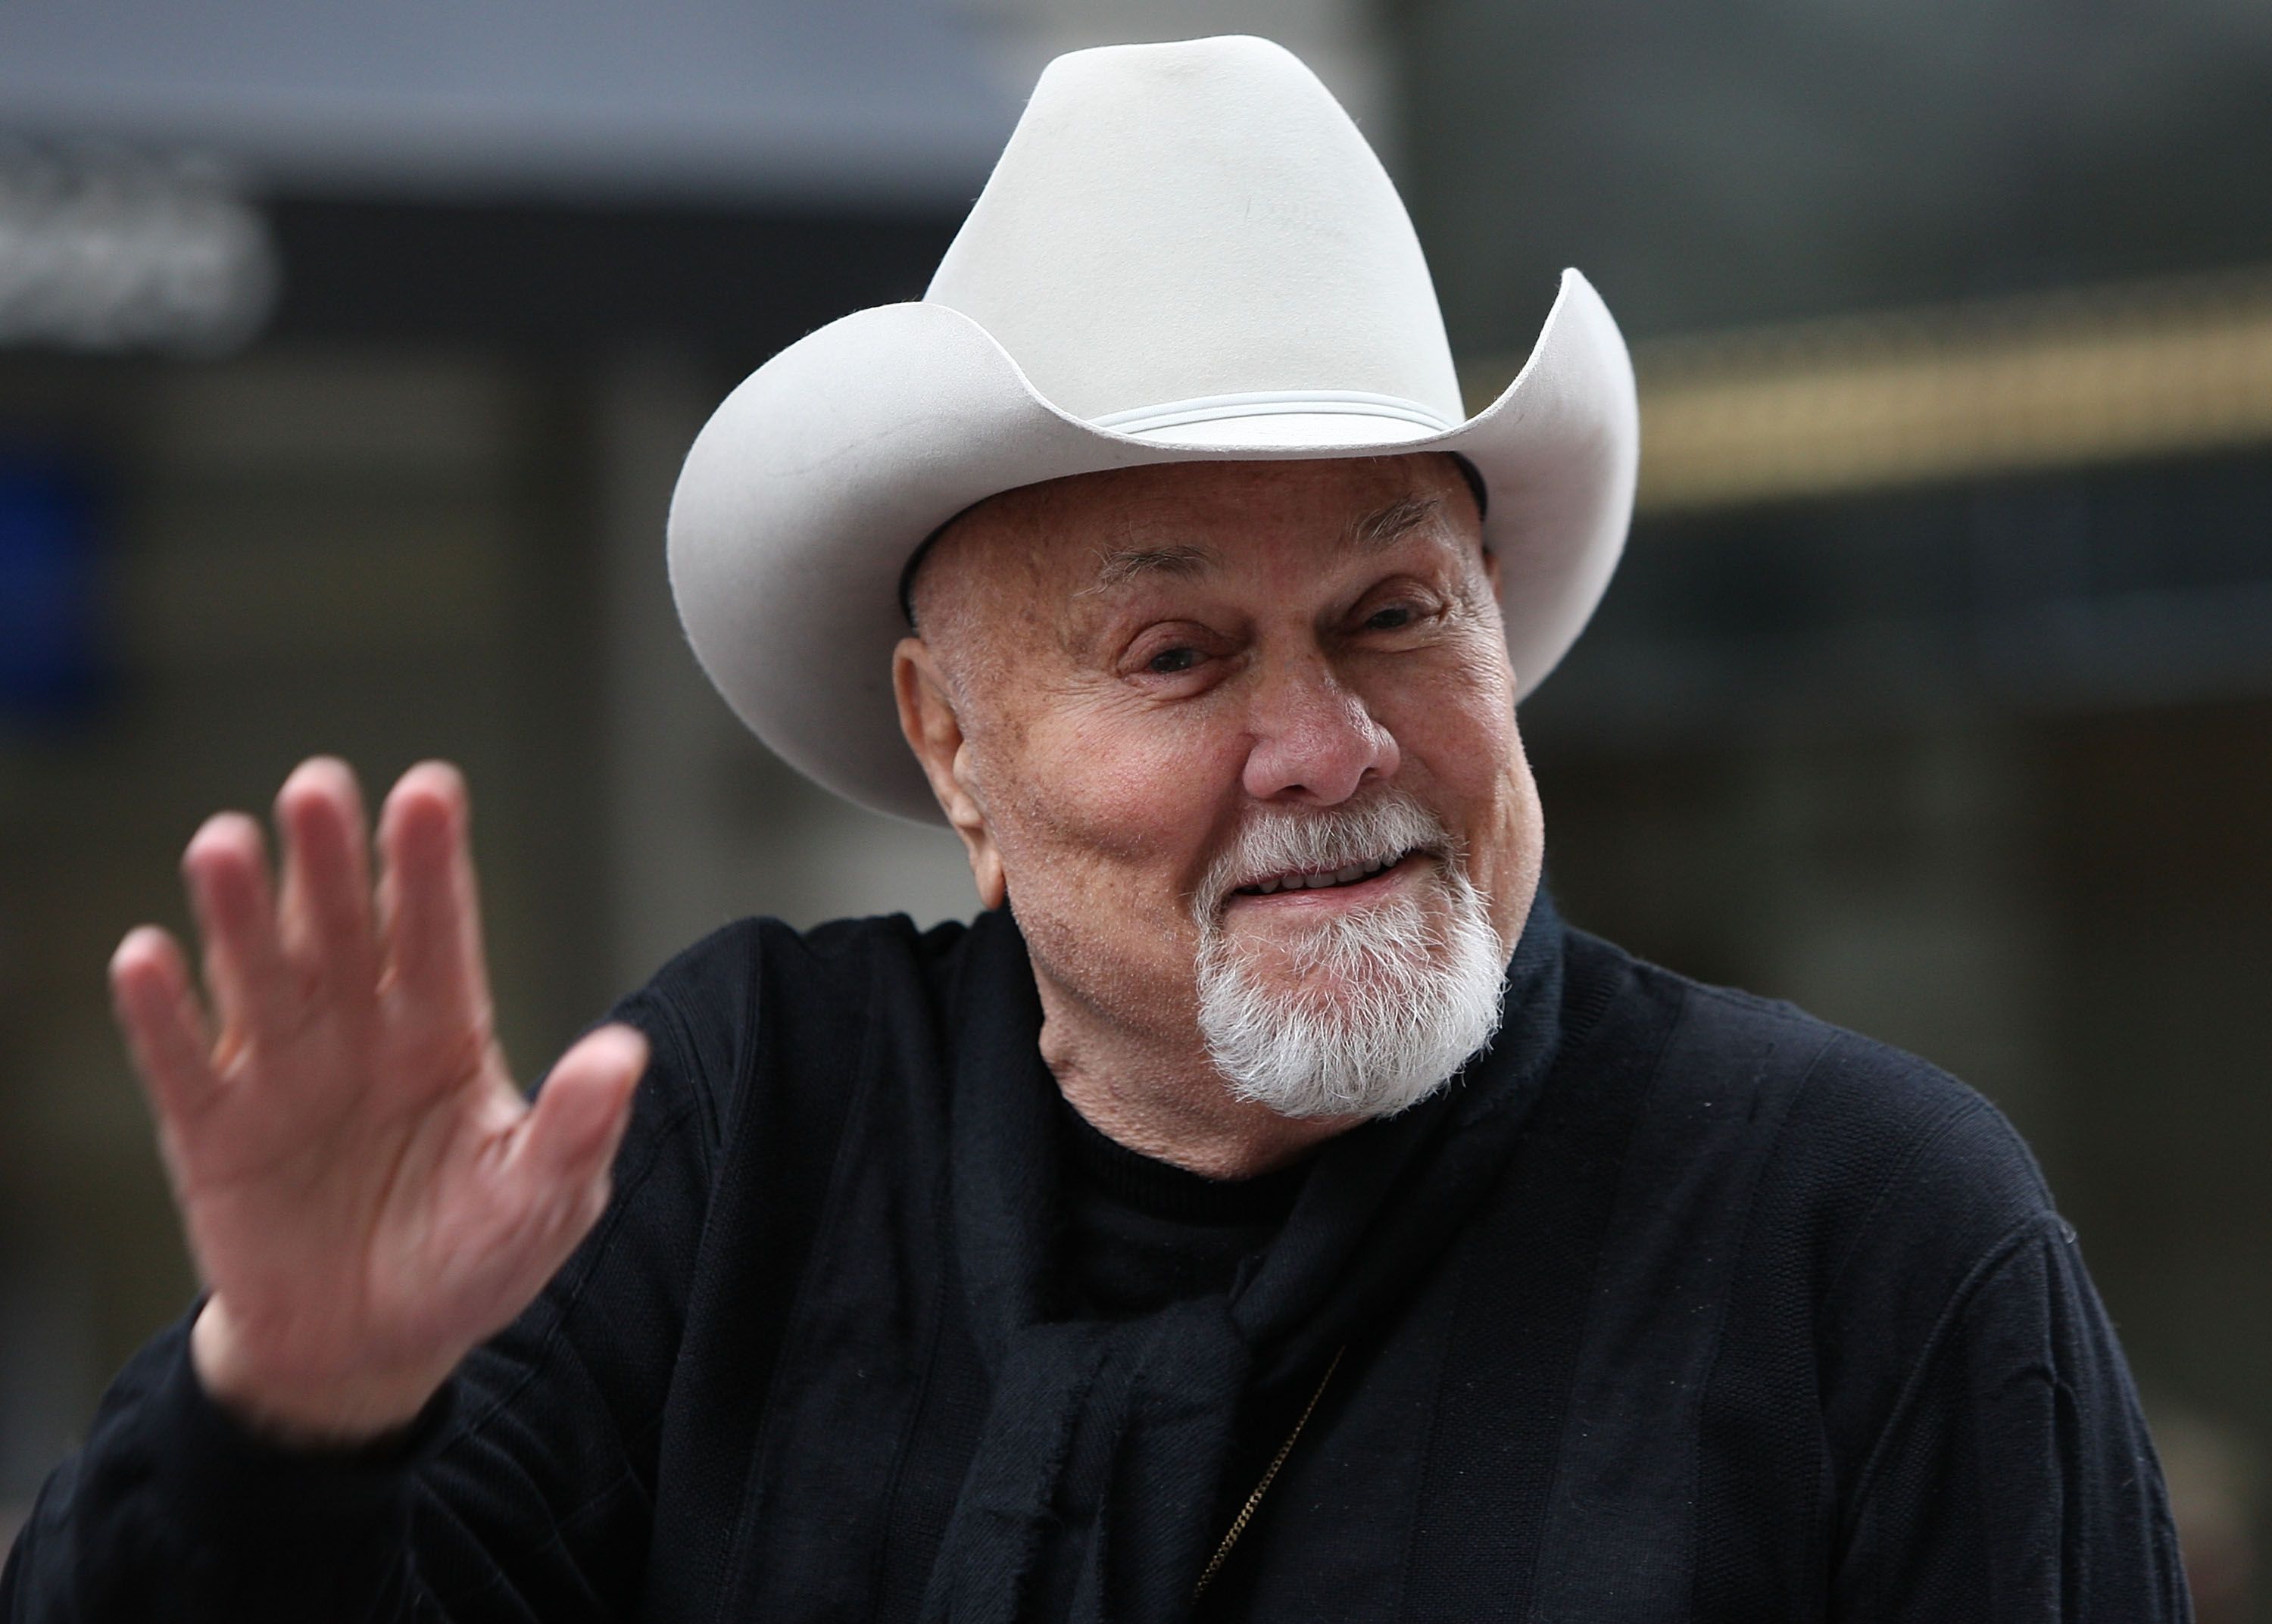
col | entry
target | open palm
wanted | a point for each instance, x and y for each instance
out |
(366, 1192)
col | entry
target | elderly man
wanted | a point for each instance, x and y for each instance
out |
(1266, 1209)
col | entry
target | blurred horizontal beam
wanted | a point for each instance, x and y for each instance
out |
(1879, 402)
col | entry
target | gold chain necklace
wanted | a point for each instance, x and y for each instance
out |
(1246, 1512)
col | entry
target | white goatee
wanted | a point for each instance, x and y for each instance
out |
(1375, 1009)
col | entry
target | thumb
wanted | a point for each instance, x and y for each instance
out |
(571, 1135)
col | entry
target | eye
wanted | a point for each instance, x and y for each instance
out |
(1171, 662)
(1394, 618)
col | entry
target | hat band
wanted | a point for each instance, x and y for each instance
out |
(1273, 403)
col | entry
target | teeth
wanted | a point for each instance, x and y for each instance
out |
(1348, 875)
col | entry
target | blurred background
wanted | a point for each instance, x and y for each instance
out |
(347, 354)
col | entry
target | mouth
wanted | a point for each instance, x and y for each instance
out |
(1373, 872)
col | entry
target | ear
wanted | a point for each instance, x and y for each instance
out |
(934, 732)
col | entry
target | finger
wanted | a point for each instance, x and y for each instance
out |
(325, 919)
(165, 1030)
(428, 900)
(252, 988)
(568, 1140)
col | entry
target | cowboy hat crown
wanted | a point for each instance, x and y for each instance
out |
(1182, 238)
(1187, 252)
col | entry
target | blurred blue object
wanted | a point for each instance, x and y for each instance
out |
(571, 98)
(51, 664)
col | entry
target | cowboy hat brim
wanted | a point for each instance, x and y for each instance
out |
(806, 492)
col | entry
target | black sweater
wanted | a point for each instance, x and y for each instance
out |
(1753, 1320)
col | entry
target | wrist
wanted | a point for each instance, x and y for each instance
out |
(301, 1409)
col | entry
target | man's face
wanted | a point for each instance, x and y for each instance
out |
(1238, 740)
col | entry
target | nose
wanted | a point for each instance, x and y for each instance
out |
(1314, 739)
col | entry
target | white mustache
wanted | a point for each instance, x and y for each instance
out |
(1282, 840)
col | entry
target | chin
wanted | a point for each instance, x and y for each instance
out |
(1354, 1012)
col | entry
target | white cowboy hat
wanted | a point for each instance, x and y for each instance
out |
(1187, 253)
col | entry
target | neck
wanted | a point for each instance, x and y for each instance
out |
(1167, 1101)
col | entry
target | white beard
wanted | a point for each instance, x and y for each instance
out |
(1385, 1004)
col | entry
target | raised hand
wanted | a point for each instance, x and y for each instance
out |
(365, 1191)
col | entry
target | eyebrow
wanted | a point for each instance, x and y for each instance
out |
(1374, 533)
(1379, 530)
(1123, 565)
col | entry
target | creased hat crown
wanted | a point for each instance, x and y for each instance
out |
(1196, 233)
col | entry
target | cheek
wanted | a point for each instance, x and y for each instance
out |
(1460, 728)
(1097, 790)
(1102, 823)
(1456, 715)
(1508, 872)
(1103, 818)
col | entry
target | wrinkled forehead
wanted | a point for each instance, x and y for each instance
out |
(1093, 532)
